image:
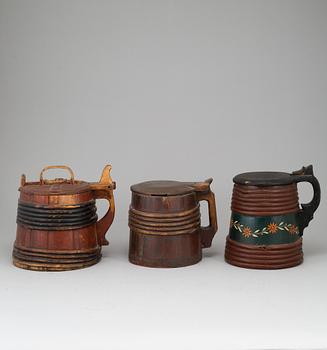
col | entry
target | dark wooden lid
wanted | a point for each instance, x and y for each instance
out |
(264, 178)
(162, 188)
(59, 188)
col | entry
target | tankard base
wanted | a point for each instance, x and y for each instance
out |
(54, 261)
(269, 257)
(164, 263)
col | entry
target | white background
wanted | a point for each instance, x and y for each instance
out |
(179, 90)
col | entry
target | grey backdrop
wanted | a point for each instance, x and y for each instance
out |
(163, 90)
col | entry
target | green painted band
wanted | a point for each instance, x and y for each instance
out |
(264, 230)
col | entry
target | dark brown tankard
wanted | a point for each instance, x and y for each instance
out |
(164, 221)
(267, 223)
(57, 224)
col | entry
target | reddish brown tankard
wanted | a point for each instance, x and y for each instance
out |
(164, 221)
(57, 224)
(267, 222)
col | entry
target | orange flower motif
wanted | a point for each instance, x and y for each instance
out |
(247, 232)
(293, 229)
(272, 228)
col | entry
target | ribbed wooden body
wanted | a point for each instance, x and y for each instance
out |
(268, 257)
(57, 223)
(164, 231)
(264, 232)
(56, 236)
(267, 200)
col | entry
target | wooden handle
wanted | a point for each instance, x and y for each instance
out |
(305, 215)
(207, 233)
(42, 181)
(104, 190)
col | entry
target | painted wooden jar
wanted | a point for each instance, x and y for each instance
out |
(165, 225)
(57, 224)
(267, 222)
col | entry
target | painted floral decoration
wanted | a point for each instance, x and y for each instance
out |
(271, 228)
(293, 229)
(247, 232)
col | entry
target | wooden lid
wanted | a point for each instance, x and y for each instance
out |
(162, 188)
(59, 188)
(264, 178)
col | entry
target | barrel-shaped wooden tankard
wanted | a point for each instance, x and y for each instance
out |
(57, 225)
(267, 223)
(164, 221)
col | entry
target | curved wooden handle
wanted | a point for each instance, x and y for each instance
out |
(207, 233)
(104, 190)
(72, 176)
(305, 215)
